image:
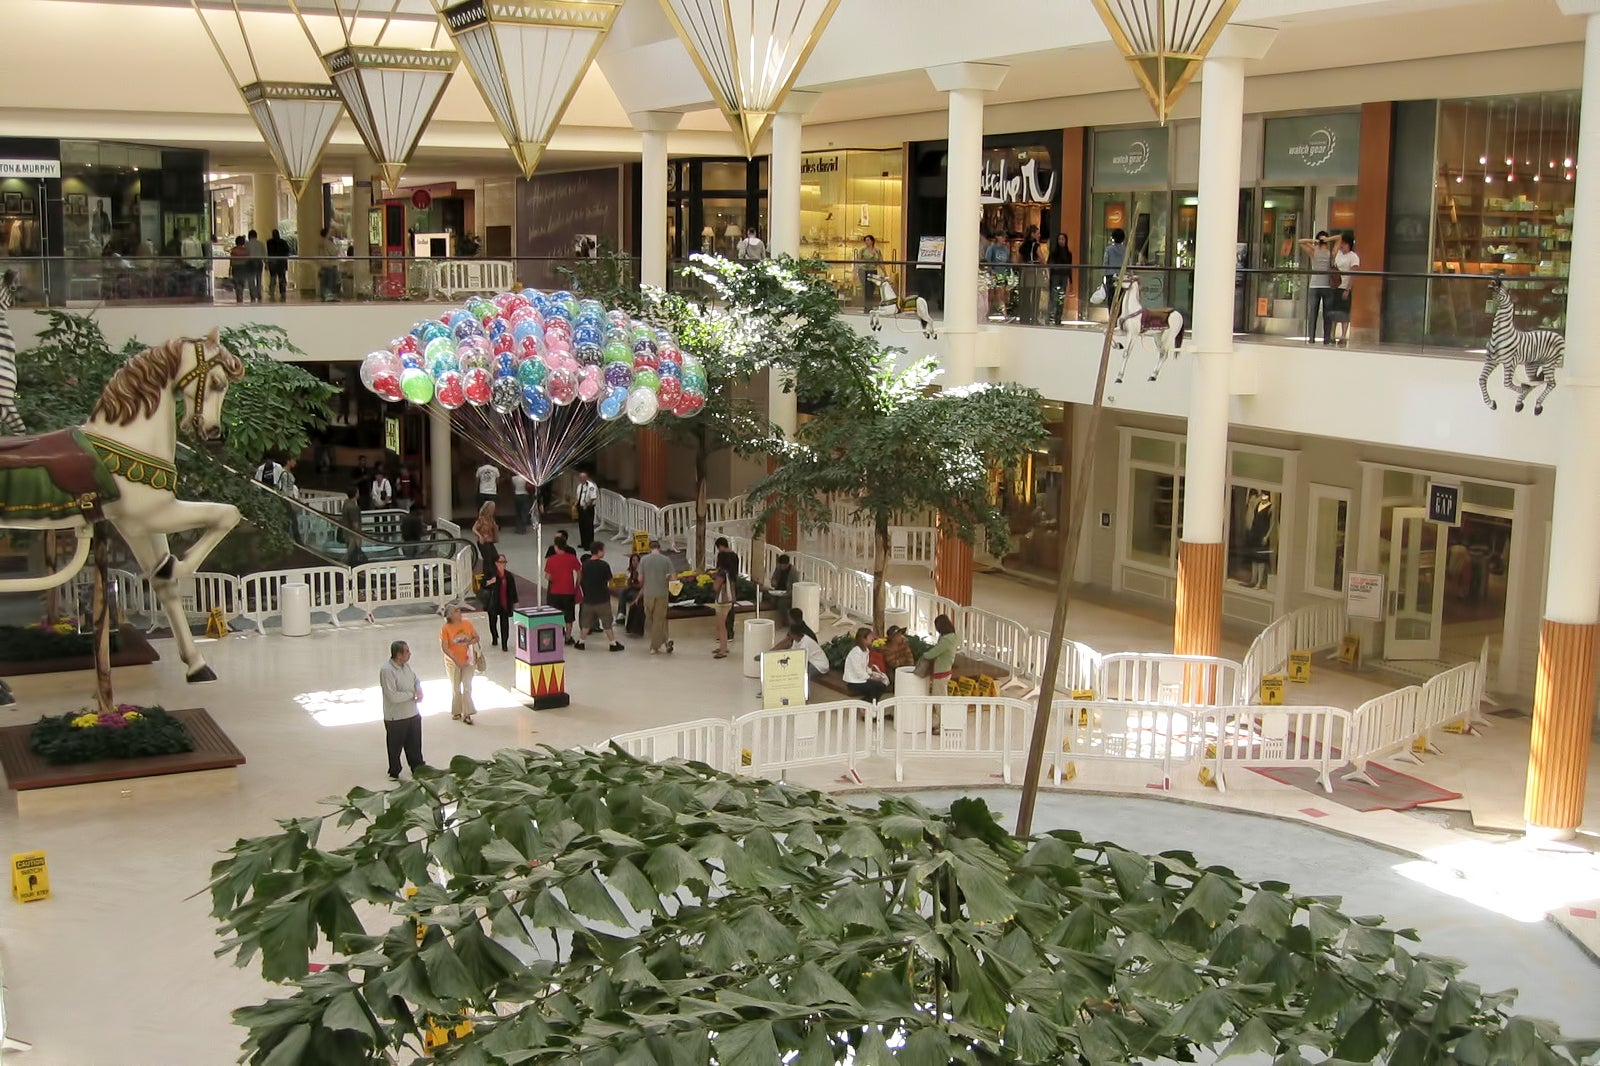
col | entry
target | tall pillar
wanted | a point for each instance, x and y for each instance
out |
(1564, 691)
(441, 468)
(783, 174)
(1198, 623)
(952, 565)
(966, 84)
(361, 229)
(652, 466)
(308, 224)
(264, 203)
(653, 127)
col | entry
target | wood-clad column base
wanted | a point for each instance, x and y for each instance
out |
(1197, 629)
(652, 451)
(782, 528)
(1563, 709)
(952, 566)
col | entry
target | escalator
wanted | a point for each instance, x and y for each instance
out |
(380, 539)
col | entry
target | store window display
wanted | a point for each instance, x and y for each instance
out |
(845, 197)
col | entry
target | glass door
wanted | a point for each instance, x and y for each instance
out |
(1415, 617)
(1280, 298)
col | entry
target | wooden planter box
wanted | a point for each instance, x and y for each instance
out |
(131, 664)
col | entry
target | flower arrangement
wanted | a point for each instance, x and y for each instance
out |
(48, 639)
(127, 732)
(699, 588)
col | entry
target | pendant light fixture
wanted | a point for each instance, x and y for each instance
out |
(1164, 41)
(1488, 131)
(1466, 125)
(296, 119)
(1540, 152)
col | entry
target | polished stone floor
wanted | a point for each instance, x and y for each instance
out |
(117, 968)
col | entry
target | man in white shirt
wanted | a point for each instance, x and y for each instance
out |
(286, 483)
(523, 501)
(1345, 260)
(588, 495)
(268, 473)
(488, 483)
(382, 493)
(751, 247)
(799, 639)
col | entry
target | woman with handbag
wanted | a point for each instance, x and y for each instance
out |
(487, 530)
(722, 603)
(499, 596)
(940, 659)
(463, 655)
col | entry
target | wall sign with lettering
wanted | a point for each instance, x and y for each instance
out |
(1312, 148)
(30, 168)
(1444, 503)
(1131, 158)
(1017, 176)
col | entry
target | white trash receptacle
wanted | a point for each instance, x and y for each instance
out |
(758, 638)
(807, 595)
(294, 609)
(907, 683)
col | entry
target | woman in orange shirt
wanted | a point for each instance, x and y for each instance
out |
(459, 642)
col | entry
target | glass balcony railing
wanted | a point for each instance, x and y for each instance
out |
(1448, 312)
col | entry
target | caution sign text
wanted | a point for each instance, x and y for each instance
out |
(1300, 666)
(30, 876)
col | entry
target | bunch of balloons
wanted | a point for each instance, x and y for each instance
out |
(534, 351)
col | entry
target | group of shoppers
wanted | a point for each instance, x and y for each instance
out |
(247, 260)
(1043, 271)
(1332, 257)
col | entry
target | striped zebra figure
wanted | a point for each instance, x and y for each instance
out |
(10, 422)
(1537, 351)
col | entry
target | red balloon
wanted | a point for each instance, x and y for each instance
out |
(478, 385)
(450, 391)
(671, 392)
(402, 345)
(504, 344)
(387, 385)
(528, 348)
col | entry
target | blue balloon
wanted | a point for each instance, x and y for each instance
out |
(585, 334)
(468, 328)
(498, 326)
(504, 366)
(411, 361)
(535, 404)
(670, 370)
(613, 403)
(458, 317)
(526, 328)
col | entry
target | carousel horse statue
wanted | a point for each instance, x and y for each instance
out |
(10, 421)
(119, 466)
(1162, 325)
(892, 305)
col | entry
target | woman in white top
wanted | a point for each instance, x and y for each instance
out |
(1344, 261)
(382, 491)
(859, 677)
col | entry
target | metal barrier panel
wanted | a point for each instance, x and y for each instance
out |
(1268, 737)
(986, 635)
(853, 595)
(407, 581)
(783, 738)
(984, 728)
(1384, 725)
(1268, 654)
(1120, 731)
(260, 592)
(913, 545)
(1320, 626)
(1180, 680)
(707, 740)
(203, 593)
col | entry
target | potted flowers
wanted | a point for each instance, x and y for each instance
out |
(125, 732)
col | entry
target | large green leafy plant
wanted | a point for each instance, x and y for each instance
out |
(273, 409)
(585, 907)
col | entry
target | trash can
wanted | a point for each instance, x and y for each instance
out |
(294, 609)
(906, 684)
(758, 637)
(807, 595)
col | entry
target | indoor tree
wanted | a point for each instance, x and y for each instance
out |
(586, 907)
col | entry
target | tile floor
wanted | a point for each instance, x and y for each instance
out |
(117, 968)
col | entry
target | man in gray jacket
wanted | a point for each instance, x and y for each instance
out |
(402, 715)
(655, 571)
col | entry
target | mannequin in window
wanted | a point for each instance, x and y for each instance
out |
(1260, 524)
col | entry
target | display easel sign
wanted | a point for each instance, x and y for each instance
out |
(930, 252)
(1350, 650)
(1272, 690)
(1300, 666)
(783, 679)
(30, 876)
(1363, 595)
(641, 542)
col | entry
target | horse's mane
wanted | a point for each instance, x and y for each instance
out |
(138, 386)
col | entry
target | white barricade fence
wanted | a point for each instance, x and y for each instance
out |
(204, 593)
(985, 728)
(329, 585)
(384, 584)
(1320, 626)
(459, 277)
(1270, 737)
(611, 511)
(385, 523)
(1268, 654)
(677, 526)
(707, 740)
(844, 731)
(852, 595)
(986, 635)
(328, 503)
(447, 527)
(1121, 732)
(1078, 670)
(1385, 725)
(923, 605)
(1151, 677)
(1451, 696)
(913, 545)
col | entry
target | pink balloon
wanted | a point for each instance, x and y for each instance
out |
(589, 384)
(562, 385)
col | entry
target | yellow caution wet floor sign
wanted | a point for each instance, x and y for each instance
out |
(30, 876)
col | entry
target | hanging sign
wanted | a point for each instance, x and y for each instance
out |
(1017, 176)
(783, 678)
(1306, 148)
(30, 168)
(30, 876)
(1363, 595)
(421, 200)
(1444, 504)
(391, 435)
(1131, 159)
(930, 252)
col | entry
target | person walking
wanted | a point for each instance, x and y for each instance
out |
(257, 263)
(381, 493)
(277, 267)
(1060, 277)
(499, 600)
(871, 261)
(942, 656)
(1030, 257)
(752, 247)
(487, 530)
(595, 583)
(859, 677)
(405, 488)
(1116, 255)
(350, 520)
(727, 562)
(1321, 294)
(488, 476)
(287, 486)
(561, 573)
(327, 266)
(239, 268)
(522, 501)
(655, 571)
(588, 495)
(402, 715)
(722, 604)
(459, 641)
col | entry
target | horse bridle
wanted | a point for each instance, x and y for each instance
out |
(201, 376)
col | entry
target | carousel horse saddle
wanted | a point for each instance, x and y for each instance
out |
(1155, 319)
(52, 475)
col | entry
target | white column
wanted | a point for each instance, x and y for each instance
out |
(966, 84)
(653, 127)
(1216, 235)
(264, 203)
(783, 174)
(360, 225)
(440, 468)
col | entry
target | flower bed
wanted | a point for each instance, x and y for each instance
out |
(46, 641)
(129, 732)
(837, 648)
(692, 586)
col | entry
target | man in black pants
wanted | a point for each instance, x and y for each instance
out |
(402, 716)
(588, 494)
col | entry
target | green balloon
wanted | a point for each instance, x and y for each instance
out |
(417, 386)
(617, 351)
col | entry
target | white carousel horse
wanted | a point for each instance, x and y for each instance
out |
(119, 465)
(10, 421)
(892, 305)
(1162, 325)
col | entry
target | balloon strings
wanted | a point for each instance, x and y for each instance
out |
(539, 451)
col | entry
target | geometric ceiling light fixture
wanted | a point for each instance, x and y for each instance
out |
(528, 57)
(1165, 41)
(750, 52)
(391, 93)
(296, 119)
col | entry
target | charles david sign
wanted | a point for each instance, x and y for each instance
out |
(1130, 159)
(1017, 176)
(1312, 148)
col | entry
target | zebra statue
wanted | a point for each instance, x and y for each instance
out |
(1537, 351)
(10, 422)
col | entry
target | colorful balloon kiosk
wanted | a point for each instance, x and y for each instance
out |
(541, 656)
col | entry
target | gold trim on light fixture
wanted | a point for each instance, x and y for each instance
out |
(748, 119)
(1155, 36)
(469, 16)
